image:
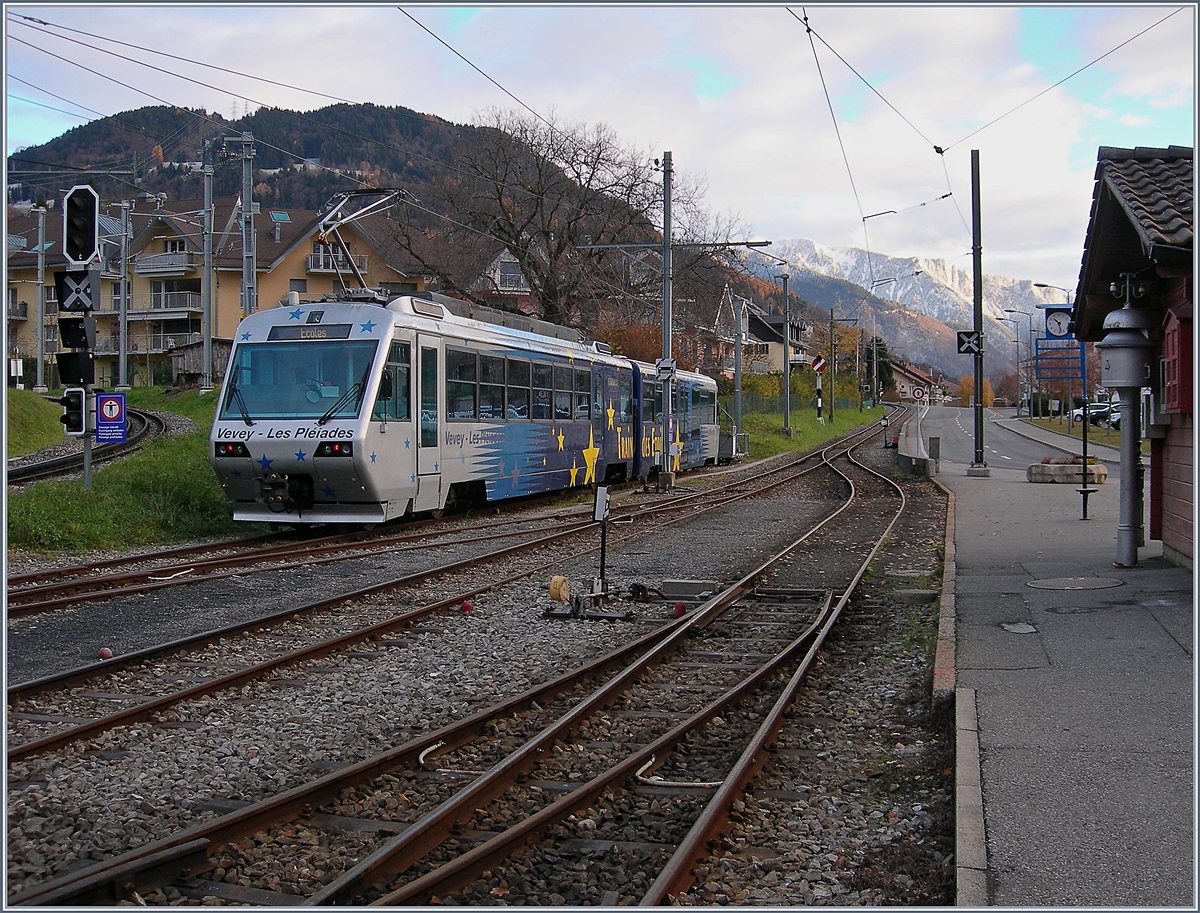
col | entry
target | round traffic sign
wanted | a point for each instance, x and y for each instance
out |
(818, 364)
(111, 408)
(918, 392)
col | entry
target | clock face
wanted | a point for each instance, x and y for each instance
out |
(1058, 323)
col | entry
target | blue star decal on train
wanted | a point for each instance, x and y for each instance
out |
(372, 458)
(407, 444)
(368, 326)
(329, 492)
(413, 478)
(237, 473)
(294, 315)
(299, 456)
(265, 463)
(245, 336)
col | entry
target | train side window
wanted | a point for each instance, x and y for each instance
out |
(583, 396)
(460, 385)
(543, 391)
(395, 405)
(518, 389)
(491, 387)
(626, 399)
(564, 385)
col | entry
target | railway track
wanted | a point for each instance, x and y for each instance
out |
(302, 808)
(49, 590)
(38, 708)
(145, 426)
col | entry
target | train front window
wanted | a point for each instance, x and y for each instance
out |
(298, 380)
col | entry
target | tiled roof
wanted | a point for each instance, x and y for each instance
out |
(1154, 187)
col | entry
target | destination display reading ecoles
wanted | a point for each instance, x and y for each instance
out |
(326, 331)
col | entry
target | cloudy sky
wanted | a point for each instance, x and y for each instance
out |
(828, 135)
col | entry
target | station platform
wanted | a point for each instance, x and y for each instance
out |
(1073, 684)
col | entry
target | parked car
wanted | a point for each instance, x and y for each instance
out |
(1097, 412)
(1114, 420)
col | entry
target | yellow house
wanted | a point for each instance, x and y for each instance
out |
(164, 269)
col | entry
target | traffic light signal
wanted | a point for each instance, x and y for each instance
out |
(81, 237)
(74, 417)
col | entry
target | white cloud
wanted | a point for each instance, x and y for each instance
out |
(732, 91)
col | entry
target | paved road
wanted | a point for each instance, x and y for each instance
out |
(1002, 447)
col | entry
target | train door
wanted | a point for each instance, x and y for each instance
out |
(429, 452)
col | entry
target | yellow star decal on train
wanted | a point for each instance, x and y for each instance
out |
(679, 449)
(574, 470)
(590, 454)
(611, 412)
(561, 437)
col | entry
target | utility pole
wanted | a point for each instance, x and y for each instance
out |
(39, 385)
(787, 358)
(979, 466)
(206, 289)
(668, 379)
(249, 208)
(832, 362)
(123, 320)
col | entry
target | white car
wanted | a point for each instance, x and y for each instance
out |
(1097, 412)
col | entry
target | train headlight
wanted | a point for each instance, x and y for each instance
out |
(232, 449)
(335, 449)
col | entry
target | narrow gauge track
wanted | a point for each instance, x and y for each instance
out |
(50, 712)
(146, 426)
(414, 799)
(44, 591)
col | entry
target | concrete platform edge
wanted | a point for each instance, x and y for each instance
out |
(970, 834)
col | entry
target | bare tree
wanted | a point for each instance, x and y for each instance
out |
(545, 190)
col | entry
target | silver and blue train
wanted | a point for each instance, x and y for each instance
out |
(363, 411)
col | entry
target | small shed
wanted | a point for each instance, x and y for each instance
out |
(187, 362)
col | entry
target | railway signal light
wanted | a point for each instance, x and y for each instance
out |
(74, 417)
(81, 225)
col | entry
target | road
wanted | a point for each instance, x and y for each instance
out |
(1002, 448)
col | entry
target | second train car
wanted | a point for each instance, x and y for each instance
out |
(362, 411)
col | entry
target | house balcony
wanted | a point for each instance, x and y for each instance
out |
(18, 310)
(163, 306)
(323, 263)
(173, 264)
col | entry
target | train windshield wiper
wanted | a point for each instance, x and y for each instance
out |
(356, 388)
(236, 396)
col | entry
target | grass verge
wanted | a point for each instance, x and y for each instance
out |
(32, 423)
(163, 494)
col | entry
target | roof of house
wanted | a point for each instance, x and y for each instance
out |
(1141, 222)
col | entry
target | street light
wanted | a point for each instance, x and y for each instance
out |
(1029, 373)
(787, 345)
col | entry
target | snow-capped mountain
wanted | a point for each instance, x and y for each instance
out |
(936, 289)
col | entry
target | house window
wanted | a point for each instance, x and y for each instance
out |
(298, 285)
(116, 295)
(174, 246)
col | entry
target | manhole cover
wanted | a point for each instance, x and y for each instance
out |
(1075, 583)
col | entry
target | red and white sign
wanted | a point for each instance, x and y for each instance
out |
(818, 364)
(918, 392)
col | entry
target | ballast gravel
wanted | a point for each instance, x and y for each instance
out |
(855, 836)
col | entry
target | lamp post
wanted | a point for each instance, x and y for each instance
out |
(1029, 371)
(1017, 331)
